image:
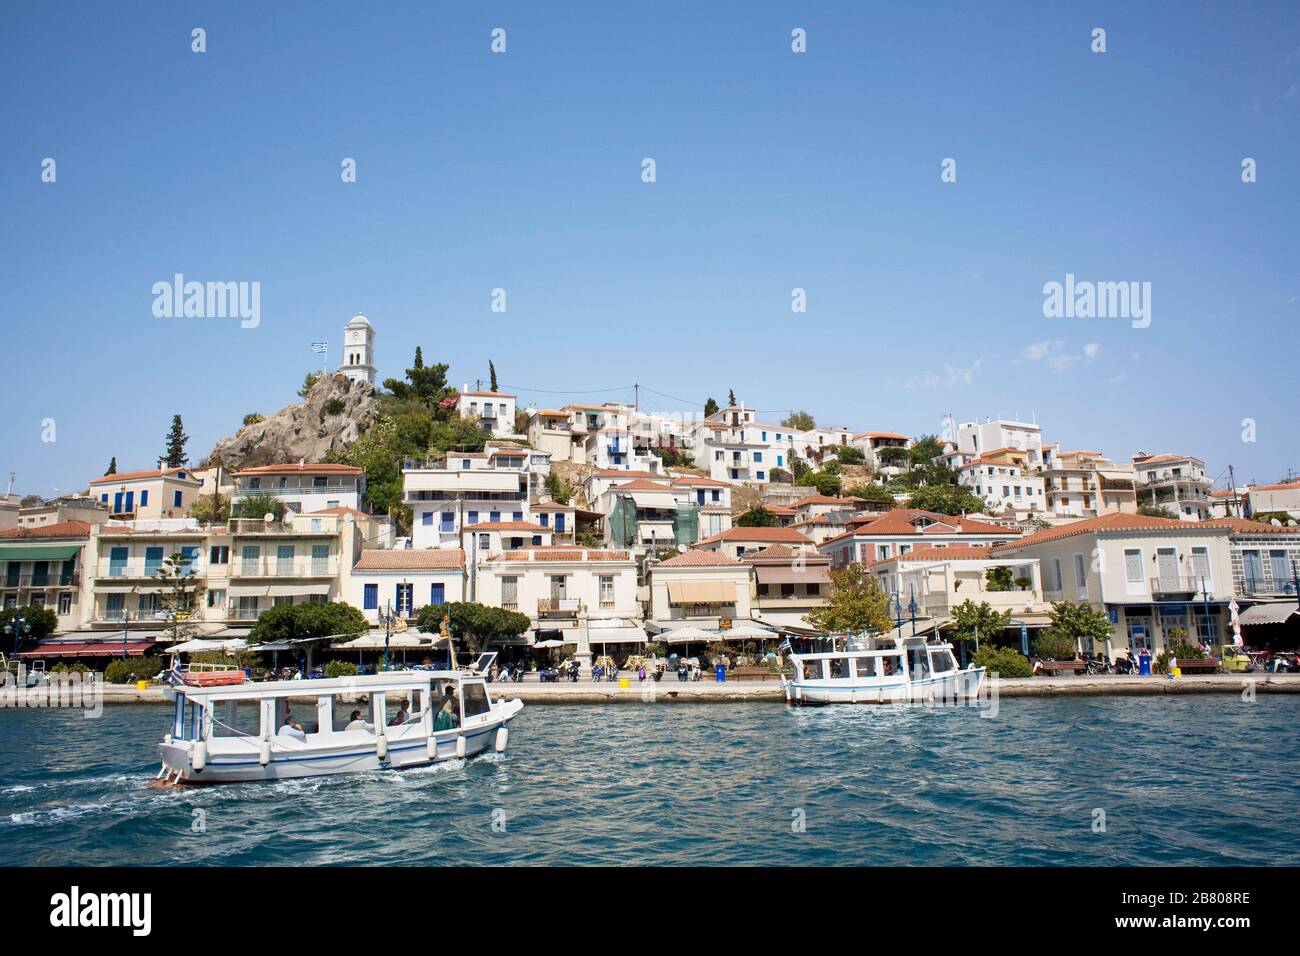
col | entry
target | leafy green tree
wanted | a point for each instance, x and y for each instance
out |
(475, 626)
(998, 579)
(849, 455)
(756, 516)
(259, 506)
(558, 488)
(30, 501)
(872, 492)
(1081, 622)
(799, 421)
(181, 587)
(308, 383)
(426, 384)
(826, 482)
(856, 604)
(285, 622)
(176, 439)
(971, 619)
(945, 500)
(710, 408)
(925, 449)
(41, 620)
(1052, 646)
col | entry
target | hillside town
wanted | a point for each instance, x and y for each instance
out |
(610, 527)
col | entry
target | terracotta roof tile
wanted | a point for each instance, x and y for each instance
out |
(1116, 521)
(700, 559)
(307, 468)
(137, 476)
(405, 559)
(64, 529)
(770, 535)
(960, 552)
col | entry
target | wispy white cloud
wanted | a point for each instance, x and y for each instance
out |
(1055, 354)
(951, 376)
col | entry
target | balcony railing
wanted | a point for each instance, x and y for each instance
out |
(324, 524)
(1263, 586)
(559, 606)
(139, 569)
(1175, 584)
(24, 581)
(284, 568)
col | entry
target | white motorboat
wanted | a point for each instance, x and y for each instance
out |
(236, 732)
(909, 670)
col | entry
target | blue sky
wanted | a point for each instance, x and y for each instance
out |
(775, 170)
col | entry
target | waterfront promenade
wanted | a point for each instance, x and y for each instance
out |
(769, 691)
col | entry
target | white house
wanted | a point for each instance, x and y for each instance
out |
(149, 495)
(465, 488)
(405, 580)
(303, 487)
(492, 411)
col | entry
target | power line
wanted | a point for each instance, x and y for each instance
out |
(567, 391)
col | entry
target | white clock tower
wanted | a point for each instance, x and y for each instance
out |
(359, 350)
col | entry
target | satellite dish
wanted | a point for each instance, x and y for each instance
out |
(268, 517)
(682, 549)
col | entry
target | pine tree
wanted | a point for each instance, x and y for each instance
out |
(112, 467)
(176, 439)
(492, 372)
(710, 408)
(731, 398)
(419, 359)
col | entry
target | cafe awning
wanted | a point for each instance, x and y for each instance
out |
(1277, 613)
(46, 552)
(702, 592)
(653, 499)
(87, 649)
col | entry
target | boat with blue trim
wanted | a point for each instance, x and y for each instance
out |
(278, 730)
(886, 670)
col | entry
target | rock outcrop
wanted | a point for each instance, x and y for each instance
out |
(336, 413)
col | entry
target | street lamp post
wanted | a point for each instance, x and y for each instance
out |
(18, 627)
(388, 630)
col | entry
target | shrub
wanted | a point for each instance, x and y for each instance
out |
(41, 620)
(1052, 646)
(340, 669)
(125, 671)
(1003, 661)
(335, 406)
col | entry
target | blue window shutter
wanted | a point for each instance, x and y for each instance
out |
(519, 516)
(371, 599)
(104, 497)
(545, 519)
(117, 503)
(494, 516)
(144, 498)
(473, 517)
(176, 500)
(130, 501)
(427, 518)
(559, 522)
(437, 593)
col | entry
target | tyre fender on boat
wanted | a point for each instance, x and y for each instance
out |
(381, 747)
(503, 738)
(264, 753)
(199, 756)
(460, 747)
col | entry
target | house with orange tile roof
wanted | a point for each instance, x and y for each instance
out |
(1151, 575)
(1085, 484)
(494, 412)
(401, 581)
(878, 537)
(1282, 496)
(584, 597)
(787, 586)
(738, 541)
(45, 566)
(449, 494)
(977, 438)
(302, 486)
(872, 443)
(149, 494)
(1003, 480)
(698, 587)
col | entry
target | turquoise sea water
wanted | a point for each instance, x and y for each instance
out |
(1192, 780)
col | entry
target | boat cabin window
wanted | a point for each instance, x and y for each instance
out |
(812, 670)
(476, 699)
(837, 667)
(343, 709)
(942, 660)
(919, 663)
(866, 666)
(236, 718)
(891, 664)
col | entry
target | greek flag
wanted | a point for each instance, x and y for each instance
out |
(320, 346)
(785, 646)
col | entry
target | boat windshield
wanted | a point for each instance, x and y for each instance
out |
(942, 660)
(919, 663)
(476, 699)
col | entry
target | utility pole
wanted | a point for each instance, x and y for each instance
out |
(1232, 495)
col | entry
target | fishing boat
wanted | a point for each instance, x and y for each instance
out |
(278, 730)
(902, 670)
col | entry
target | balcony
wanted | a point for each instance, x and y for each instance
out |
(559, 606)
(284, 568)
(298, 525)
(137, 570)
(26, 581)
(1170, 584)
(1262, 587)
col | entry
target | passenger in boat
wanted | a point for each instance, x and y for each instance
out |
(447, 717)
(291, 728)
(891, 666)
(403, 714)
(356, 723)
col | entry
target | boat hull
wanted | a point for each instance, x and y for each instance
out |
(242, 762)
(960, 685)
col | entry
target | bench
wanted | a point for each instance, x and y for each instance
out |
(1064, 667)
(1190, 665)
(752, 673)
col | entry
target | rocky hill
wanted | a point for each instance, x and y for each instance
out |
(336, 413)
